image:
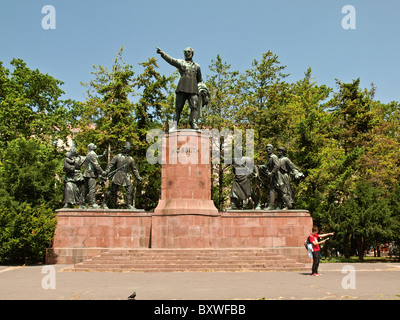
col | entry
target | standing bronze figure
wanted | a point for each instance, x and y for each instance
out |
(92, 171)
(242, 189)
(71, 190)
(118, 172)
(73, 182)
(187, 87)
(272, 171)
(286, 169)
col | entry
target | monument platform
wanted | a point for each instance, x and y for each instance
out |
(82, 234)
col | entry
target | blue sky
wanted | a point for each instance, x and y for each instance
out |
(303, 34)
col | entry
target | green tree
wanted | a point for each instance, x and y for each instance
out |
(310, 132)
(394, 202)
(348, 130)
(29, 171)
(219, 116)
(152, 111)
(360, 148)
(356, 169)
(262, 97)
(352, 108)
(108, 115)
(309, 137)
(25, 233)
(153, 107)
(380, 164)
(32, 117)
(31, 105)
(363, 220)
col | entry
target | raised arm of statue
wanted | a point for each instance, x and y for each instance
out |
(172, 61)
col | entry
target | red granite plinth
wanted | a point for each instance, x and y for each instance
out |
(81, 234)
(185, 231)
(281, 231)
(186, 174)
(259, 228)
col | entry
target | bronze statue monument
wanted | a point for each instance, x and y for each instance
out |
(187, 87)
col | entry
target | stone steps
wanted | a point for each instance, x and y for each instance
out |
(183, 260)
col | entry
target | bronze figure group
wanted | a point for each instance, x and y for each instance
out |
(80, 189)
(278, 169)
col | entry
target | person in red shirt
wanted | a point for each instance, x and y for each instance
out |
(314, 239)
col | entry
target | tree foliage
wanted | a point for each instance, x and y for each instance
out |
(153, 110)
(25, 233)
(31, 105)
(107, 115)
(219, 115)
(361, 221)
(29, 172)
(33, 117)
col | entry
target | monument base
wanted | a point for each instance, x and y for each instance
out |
(186, 206)
(81, 234)
(282, 231)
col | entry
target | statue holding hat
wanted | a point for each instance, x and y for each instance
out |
(187, 89)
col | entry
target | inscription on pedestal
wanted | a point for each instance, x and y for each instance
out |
(185, 150)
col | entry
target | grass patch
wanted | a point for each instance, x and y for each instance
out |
(355, 259)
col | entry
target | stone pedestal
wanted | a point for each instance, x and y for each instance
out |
(81, 234)
(281, 231)
(186, 174)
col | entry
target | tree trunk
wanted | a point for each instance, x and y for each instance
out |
(361, 250)
(220, 187)
(347, 250)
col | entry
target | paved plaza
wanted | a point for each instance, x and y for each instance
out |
(358, 281)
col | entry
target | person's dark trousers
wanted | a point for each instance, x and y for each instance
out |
(316, 257)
